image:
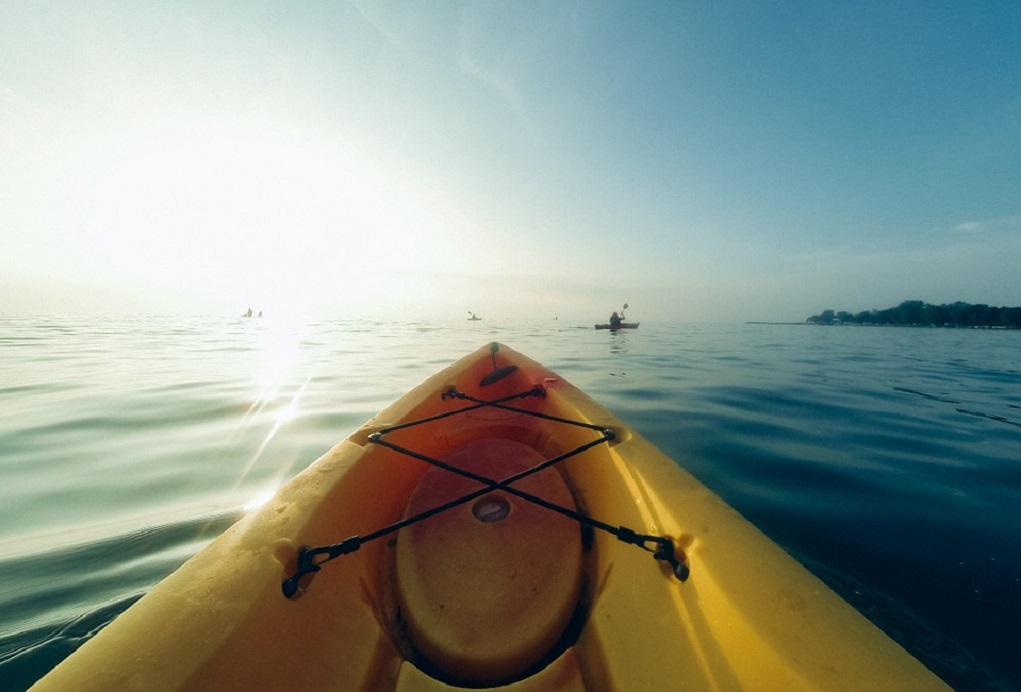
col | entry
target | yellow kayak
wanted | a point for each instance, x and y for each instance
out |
(494, 527)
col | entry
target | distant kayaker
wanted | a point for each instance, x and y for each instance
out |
(614, 320)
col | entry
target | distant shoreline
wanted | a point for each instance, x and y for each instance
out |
(916, 313)
(899, 326)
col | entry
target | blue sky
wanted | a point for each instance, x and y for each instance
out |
(698, 160)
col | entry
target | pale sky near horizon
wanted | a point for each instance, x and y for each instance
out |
(698, 160)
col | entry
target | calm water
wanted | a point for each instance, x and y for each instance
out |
(887, 460)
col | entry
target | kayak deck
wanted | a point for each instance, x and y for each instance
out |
(497, 589)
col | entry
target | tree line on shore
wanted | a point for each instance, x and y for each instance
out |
(920, 314)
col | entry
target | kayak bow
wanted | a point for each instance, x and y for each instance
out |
(492, 527)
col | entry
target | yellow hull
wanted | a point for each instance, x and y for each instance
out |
(496, 590)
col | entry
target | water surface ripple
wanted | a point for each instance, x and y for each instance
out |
(886, 460)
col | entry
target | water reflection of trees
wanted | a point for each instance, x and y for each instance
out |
(916, 312)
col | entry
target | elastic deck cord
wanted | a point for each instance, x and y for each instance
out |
(311, 559)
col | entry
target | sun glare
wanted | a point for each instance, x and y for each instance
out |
(278, 399)
(259, 499)
(276, 221)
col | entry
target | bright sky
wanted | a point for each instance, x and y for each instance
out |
(722, 160)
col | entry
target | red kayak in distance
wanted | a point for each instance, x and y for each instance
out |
(623, 325)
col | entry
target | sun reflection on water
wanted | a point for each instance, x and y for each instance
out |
(279, 390)
(280, 347)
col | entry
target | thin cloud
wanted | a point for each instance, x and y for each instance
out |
(1003, 224)
(969, 227)
(385, 25)
(510, 50)
(485, 55)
